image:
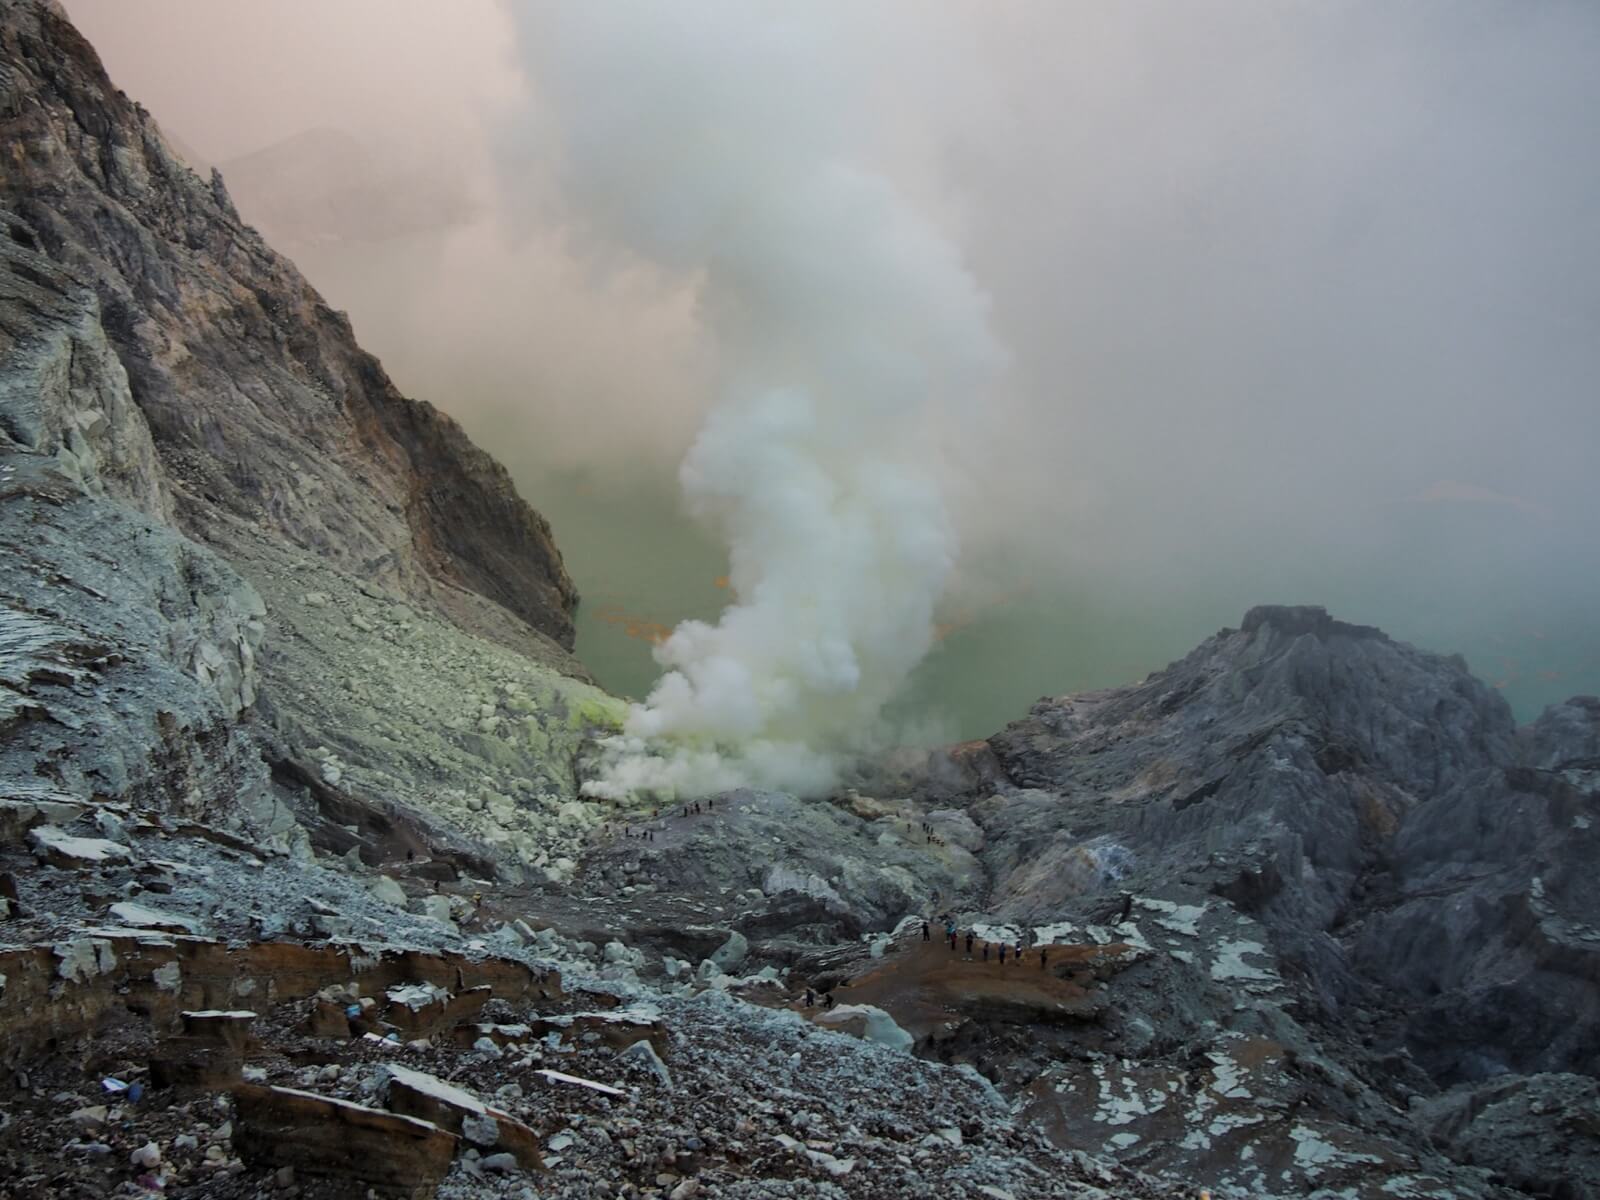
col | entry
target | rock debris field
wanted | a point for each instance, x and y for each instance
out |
(181, 1055)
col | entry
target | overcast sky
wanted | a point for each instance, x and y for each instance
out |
(1302, 299)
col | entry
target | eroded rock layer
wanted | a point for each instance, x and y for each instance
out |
(298, 895)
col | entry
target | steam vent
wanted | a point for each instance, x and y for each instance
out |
(902, 381)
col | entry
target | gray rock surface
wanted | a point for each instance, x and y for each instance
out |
(803, 863)
(260, 403)
(1566, 739)
(251, 581)
(1333, 876)
(1540, 1133)
(1371, 805)
(1320, 919)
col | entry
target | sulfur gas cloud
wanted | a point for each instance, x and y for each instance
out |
(1294, 303)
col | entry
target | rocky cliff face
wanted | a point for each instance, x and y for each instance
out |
(1324, 916)
(266, 579)
(258, 399)
(1373, 806)
(1352, 839)
(289, 756)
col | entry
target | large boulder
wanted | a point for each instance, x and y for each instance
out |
(357, 1148)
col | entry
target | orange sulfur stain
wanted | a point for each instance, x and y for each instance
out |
(635, 627)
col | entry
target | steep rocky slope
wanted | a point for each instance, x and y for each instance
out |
(1340, 911)
(257, 580)
(255, 392)
(290, 745)
(1371, 805)
(1351, 830)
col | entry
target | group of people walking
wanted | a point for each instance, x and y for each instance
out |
(1001, 949)
(646, 834)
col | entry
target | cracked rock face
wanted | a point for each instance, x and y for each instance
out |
(289, 726)
(258, 401)
(1327, 875)
(1373, 806)
(128, 653)
(247, 580)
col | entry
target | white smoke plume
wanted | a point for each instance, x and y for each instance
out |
(731, 143)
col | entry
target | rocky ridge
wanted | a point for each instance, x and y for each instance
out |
(1340, 898)
(257, 583)
(219, 1023)
(256, 395)
(290, 745)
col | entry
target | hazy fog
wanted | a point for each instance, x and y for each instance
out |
(1302, 301)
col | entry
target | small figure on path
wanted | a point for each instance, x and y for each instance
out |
(969, 943)
(925, 936)
(1002, 954)
(986, 952)
(827, 1000)
(1042, 953)
(811, 997)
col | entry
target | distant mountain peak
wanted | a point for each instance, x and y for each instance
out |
(1298, 619)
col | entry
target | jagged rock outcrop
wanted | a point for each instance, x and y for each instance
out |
(1347, 849)
(1540, 1133)
(1280, 767)
(1334, 876)
(260, 403)
(253, 577)
(282, 657)
(1483, 927)
(1566, 739)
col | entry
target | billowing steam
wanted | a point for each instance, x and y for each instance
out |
(1297, 309)
(722, 142)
